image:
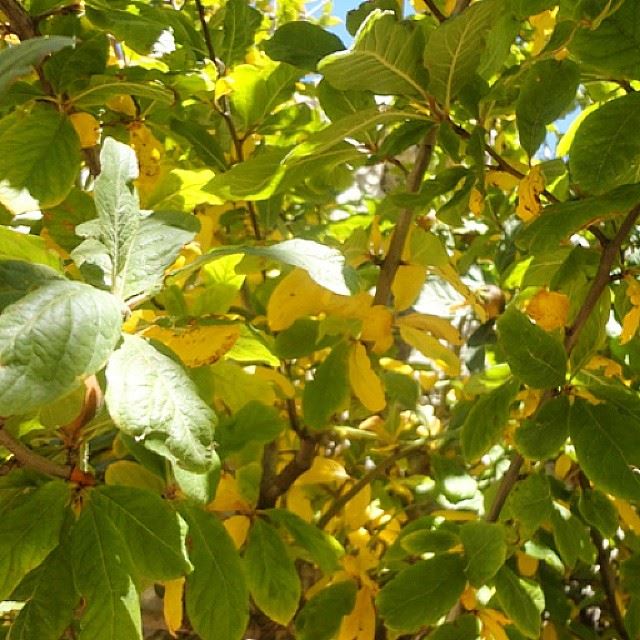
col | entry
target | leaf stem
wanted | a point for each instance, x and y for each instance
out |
(403, 225)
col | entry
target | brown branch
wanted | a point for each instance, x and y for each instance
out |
(21, 22)
(461, 5)
(366, 479)
(435, 12)
(403, 225)
(31, 459)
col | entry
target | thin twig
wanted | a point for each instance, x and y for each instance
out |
(403, 225)
(31, 459)
(367, 479)
(435, 12)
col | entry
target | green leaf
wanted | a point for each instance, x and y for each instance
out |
(29, 530)
(571, 537)
(560, 220)
(104, 87)
(322, 615)
(38, 7)
(199, 487)
(103, 571)
(328, 390)
(463, 628)
(254, 422)
(18, 278)
(530, 502)
(521, 600)
(39, 159)
(454, 50)
(485, 550)
(607, 444)
(426, 541)
(51, 599)
(18, 60)
(153, 532)
(385, 58)
(613, 49)
(241, 22)
(325, 550)
(548, 90)
(21, 246)
(542, 436)
(598, 511)
(51, 338)
(302, 44)
(487, 420)
(203, 144)
(525, 8)
(151, 398)
(604, 155)
(217, 598)
(271, 575)
(135, 248)
(536, 357)
(422, 594)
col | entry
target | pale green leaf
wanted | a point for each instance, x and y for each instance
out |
(422, 594)
(271, 574)
(217, 597)
(384, 59)
(150, 397)
(51, 338)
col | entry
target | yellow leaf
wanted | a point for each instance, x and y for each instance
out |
(527, 566)
(281, 382)
(87, 128)
(295, 296)
(360, 624)
(323, 471)
(228, 496)
(529, 190)
(468, 599)
(122, 104)
(549, 632)
(150, 152)
(298, 502)
(237, 527)
(476, 202)
(630, 324)
(407, 285)
(562, 466)
(492, 626)
(355, 511)
(431, 348)
(549, 309)
(501, 180)
(436, 325)
(611, 369)
(543, 25)
(377, 325)
(365, 384)
(197, 345)
(173, 604)
(455, 515)
(628, 514)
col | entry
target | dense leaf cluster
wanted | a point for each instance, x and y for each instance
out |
(310, 339)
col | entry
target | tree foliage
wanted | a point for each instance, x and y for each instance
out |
(303, 338)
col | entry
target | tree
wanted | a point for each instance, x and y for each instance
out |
(312, 340)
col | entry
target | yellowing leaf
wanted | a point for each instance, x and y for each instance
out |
(122, 104)
(87, 128)
(529, 190)
(431, 348)
(281, 382)
(549, 309)
(295, 296)
(173, 604)
(407, 285)
(228, 496)
(630, 324)
(549, 632)
(365, 384)
(628, 514)
(197, 345)
(237, 527)
(468, 599)
(360, 624)
(436, 325)
(527, 565)
(455, 515)
(476, 202)
(323, 470)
